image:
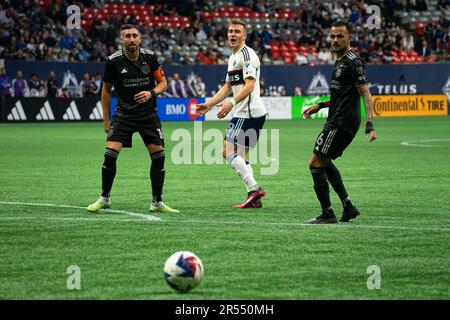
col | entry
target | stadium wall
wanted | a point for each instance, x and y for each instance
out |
(384, 79)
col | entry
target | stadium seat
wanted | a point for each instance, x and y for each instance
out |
(288, 59)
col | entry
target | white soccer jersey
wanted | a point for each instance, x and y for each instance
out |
(241, 65)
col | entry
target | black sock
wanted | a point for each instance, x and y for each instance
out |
(157, 173)
(322, 189)
(108, 171)
(336, 182)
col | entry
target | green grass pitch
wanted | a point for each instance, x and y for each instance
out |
(402, 192)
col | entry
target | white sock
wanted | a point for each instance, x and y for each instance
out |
(243, 171)
(250, 169)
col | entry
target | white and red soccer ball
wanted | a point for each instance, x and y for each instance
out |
(183, 271)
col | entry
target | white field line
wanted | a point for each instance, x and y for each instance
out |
(133, 214)
(422, 143)
(152, 218)
(335, 225)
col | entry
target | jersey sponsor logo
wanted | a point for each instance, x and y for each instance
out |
(97, 112)
(72, 112)
(123, 71)
(318, 86)
(235, 77)
(17, 113)
(45, 113)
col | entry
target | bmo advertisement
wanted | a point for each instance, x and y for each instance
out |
(179, 109)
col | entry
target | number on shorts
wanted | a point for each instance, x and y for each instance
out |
(319, 141)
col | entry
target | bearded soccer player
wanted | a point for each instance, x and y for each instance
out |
(138, 79)
(243, 131)
(348, 83)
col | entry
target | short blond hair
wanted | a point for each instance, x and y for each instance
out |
(240, 22)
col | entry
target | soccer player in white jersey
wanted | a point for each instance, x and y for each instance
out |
(249, 115)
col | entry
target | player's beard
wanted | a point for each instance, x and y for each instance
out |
(131, 48)
(338, 49)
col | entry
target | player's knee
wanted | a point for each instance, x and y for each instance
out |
(153, 148)
(317, 162)
(112, 145)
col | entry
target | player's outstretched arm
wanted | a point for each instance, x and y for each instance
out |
(224, 92)
(367, 98)
(106, 103)
(247, 88)
(315, 108)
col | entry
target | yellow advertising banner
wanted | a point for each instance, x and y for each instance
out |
(410, 105)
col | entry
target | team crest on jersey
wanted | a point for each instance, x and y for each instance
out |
(338, 72)
(145, 68)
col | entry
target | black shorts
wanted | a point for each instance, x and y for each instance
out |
(244, 132)
(122, 130)
(331, 144)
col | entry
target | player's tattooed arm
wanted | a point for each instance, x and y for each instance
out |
(106, 102)
(367, 98)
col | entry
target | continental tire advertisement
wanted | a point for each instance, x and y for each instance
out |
(410, 105)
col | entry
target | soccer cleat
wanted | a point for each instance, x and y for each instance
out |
(256, 204)
(349, 213)
(161, 207)
(101, 203)
(322, 219)
(252, 199)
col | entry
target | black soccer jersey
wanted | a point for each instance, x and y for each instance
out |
(129, 78)
(344, 112)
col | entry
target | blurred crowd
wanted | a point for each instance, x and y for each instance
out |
(191, 85)
(30, 32)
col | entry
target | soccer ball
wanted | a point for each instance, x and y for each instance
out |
(183, 271)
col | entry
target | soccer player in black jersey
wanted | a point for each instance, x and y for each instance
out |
(348, 83)
(137, 78)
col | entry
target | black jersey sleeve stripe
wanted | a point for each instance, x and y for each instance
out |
(246, 54)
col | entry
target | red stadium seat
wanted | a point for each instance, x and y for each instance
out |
(430, 59)
(288, 60)
(276, 55)
(420, 29)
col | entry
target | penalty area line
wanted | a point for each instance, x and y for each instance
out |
(147, 217)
